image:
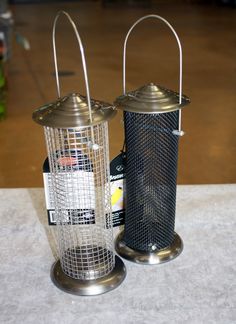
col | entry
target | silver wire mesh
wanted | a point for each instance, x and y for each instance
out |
(151, 173)
(80, 182)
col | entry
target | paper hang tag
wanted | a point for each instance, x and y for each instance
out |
(84, 213)
(117, 183)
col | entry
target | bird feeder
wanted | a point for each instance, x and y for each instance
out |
(152, 122)
(76, 133)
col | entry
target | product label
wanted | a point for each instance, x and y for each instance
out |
(81, 211)
(117, 180)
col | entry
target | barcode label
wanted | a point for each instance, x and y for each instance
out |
(72, 217)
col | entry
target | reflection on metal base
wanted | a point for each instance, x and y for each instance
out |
(142, 257)
(88, 287)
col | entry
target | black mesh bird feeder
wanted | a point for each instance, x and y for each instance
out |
(152, 121)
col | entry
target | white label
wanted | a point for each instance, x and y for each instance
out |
(78, 189)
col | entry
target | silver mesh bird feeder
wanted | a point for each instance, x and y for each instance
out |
(152, 121)
(76, 133)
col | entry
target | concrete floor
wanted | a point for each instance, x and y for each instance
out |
(207, 151)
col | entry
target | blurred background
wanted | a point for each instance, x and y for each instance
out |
(207, 30)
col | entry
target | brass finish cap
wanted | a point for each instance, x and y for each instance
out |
(73, 111)
(151, 99)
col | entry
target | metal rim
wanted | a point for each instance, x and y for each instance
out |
(161, 256)
(88, 287)
(71, 112)
(132, 102)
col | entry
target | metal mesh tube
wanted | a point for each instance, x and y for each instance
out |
(151, 173)
(80, 182)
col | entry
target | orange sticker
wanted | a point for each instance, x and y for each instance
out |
(67, 161)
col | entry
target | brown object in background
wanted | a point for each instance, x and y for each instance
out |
(207, 152)
(127, 3)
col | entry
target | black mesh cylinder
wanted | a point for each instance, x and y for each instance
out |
(151, 172)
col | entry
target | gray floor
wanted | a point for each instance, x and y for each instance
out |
(198, 287)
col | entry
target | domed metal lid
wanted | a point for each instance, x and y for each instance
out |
(73, 111)
(151, 99)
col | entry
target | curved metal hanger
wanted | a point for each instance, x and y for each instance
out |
(82, 57)
(179, 131)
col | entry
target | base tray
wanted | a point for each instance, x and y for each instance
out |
(143, 257)
(88, 287)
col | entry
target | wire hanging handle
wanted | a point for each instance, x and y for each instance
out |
(179, 131)
(82, 57)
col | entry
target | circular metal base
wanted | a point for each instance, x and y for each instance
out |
(142, 257)
(88, 287)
